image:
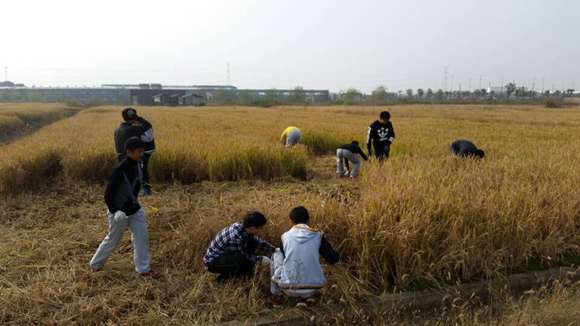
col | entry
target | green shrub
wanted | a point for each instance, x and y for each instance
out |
(554, 103)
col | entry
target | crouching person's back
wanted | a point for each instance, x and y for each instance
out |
(295, 268)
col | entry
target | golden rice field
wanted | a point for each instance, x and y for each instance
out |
(422, 218)
(18, 119)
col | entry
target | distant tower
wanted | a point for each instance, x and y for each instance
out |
(229, 77)
(445, 78)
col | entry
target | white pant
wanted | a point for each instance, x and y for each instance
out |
(294, 137)
(137, 223)
(276, 268)
(342, 154)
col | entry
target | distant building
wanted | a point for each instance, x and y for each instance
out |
(149, 94)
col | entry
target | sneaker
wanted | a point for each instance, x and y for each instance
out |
(276, 300)
(96, 270)
(302, 303)
(145, 192)
(152, 274)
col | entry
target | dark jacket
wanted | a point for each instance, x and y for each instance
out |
(380, 135)
(355, 149)
(462, 147)
(123, 187)
(127, 130)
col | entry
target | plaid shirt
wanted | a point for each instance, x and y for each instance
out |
(234, 239)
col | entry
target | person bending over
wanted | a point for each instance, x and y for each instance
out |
(291, 136)
(465, 148)
(348, 152)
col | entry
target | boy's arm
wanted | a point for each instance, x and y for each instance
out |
(111, 190)
(145, 125)
(330, 255)
(391, 133)
(147, 135)
(370, 140)
(362, 154)
(264, 245)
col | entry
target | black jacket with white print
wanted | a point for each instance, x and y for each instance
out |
(380, 135)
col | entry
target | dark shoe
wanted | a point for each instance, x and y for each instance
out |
(152, 274)
(302, 303)
(276, 300)
(145, 192)
(222, 279)
(96, 270)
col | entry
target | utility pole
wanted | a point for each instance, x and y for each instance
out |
(501, 90)
(470, 85)
(543, 79)
(445, 78)
(229, 81)
(479, 82)
(534, 86)
(553, 82)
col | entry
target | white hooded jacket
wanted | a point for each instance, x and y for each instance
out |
(301, 268)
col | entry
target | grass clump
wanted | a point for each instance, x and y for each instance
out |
(31, 172)
(323, 143)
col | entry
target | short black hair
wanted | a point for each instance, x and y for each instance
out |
(299, 215)
(354, 142)
(254, 219)
(134, 143)
(479, 153)
(125, 113)
(385, 115)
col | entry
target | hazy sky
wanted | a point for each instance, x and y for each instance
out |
(280, 44)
